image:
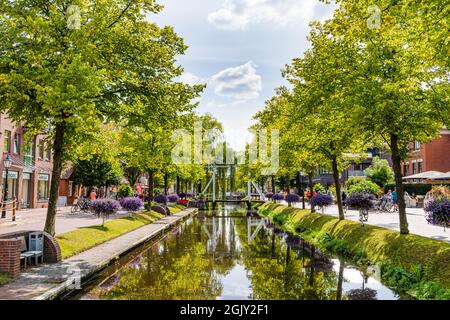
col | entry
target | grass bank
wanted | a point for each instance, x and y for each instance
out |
(4, 278)
(413, 264)
(82, 239)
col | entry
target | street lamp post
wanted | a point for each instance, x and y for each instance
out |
(7, 162)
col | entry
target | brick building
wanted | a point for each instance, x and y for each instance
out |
(432, 156)
(30, 174)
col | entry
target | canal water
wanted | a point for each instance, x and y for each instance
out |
(232, 255)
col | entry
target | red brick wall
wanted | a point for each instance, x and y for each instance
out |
(10, 256)
(437, 154)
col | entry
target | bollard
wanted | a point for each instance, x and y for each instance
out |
(14, 209)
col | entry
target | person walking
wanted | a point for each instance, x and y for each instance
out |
(395, 199)
(93, 195)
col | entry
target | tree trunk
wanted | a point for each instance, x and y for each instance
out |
(311, 190)
(151, 185)
(340, 280)
(166, 182)
(338, 188)
(273, 184)
(178, 185)
(396, 163)
(58, 146)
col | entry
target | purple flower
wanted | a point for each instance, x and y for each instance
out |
(321, 200)
(360, 200)
(269, 195)
(278, 196)
(173, 197)
(189, 194)
(103, 208)
(292, 198)
(438, 212)
(131, 203)
(160, 198)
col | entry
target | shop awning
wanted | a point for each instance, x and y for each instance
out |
(424, 175)
(444, 176)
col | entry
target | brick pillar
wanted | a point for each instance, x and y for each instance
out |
(10, 256)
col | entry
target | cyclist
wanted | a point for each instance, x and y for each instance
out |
(395, 199)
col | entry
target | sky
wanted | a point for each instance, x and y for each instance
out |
(238, 48)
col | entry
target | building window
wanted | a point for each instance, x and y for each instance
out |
(416, 145)
(41, 149)
(48, 152)
(419, 167)
(28, 156)
(406, 169)
(414, 168)
(43, 186)
(7, 141)
(16, 143)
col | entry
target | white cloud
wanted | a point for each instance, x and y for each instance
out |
(239, 14)
(190, 78)
(241, 82)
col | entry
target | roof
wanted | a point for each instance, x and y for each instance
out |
(444, 176)
(425, 175)
(67, 172)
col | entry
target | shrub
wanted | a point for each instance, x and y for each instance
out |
(269, 195)
(161, 199)
(131, 204)
(440, 192)
(278, 196)
(157, 191)
(365, 186)
(103, 208)
(360, 200)
(380, 172)
(318, 188)
(290, 198)
(125, 191)
(438, 212)
(173, 198)
(321, 200)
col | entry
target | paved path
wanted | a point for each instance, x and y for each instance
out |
(416, 220)
(48, 280)
(34, 219)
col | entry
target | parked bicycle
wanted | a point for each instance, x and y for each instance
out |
(81, 205)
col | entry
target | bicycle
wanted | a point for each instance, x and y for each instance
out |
(81, 205)
(363, 215)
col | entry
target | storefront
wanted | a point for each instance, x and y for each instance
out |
(43, 187)
(13, 186)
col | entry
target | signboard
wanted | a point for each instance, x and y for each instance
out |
(43, 177)
(26, 176)
(11, 174)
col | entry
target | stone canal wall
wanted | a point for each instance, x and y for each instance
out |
(49, 281)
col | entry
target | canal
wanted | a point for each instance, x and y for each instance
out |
(232, 255)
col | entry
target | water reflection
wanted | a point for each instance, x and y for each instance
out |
(232, 255)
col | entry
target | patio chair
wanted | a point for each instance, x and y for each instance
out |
(36, 246)
(24, 253)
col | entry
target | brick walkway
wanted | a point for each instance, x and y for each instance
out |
(48, 280)
(34, 219)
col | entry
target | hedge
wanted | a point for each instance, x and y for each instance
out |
(416, 188)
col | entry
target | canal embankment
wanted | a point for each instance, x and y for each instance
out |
(414, 264)
(49, 281)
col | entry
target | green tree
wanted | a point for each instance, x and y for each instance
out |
(380, 172)
(95, 172)
(111, 63)
(399, 84)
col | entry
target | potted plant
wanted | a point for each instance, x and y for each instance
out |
(103, 208)
(277, 196)
(173, 198)
(321, 200)
(131, 204)
(438, 212)
(362, 201)
(292, 198)
(160, 199)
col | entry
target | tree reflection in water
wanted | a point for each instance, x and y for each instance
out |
(195, 262)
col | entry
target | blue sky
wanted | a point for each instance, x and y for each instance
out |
(238, 47)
